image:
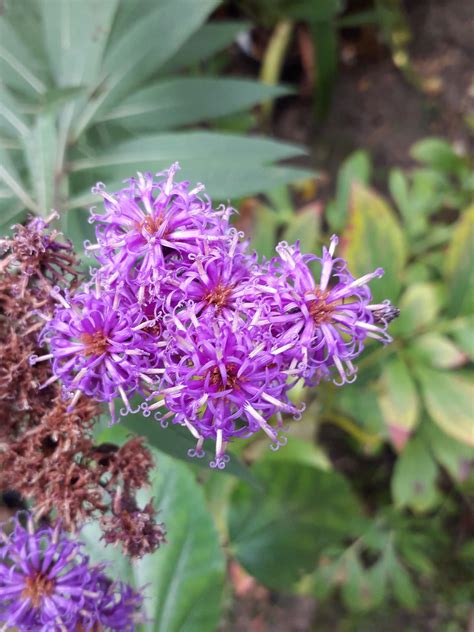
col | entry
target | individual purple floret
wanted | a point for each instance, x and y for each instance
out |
(324, 323)
(224, 382)
(100, 345)
(151, 221)
(47, 584)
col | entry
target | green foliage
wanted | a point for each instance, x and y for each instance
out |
(277, 533)
(89, 93)
(183, 580)
(415, 394)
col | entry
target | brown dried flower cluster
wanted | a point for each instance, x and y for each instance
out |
(47, 454)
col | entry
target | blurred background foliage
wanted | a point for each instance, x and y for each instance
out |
(367, 512)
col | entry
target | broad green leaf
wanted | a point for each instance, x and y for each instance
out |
(277, 534)
(183, 580)
(460, 266)
(356, 168)
(399, 401)
(437, 351)
(305, 227)
(449, 400)
(414, 477)
(437, 153)
(457, 458)
(40, 149)
(76, 34)
(374, 239)
(208, 40)
(143, 47)
(419, 307)
(298, 451)
(175, 102)
(361, 402)
(177, 441)
(462, 332)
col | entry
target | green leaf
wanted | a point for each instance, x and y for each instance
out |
(460, 266)
(305, 227)
(374, 239)
(457, 458)
(12, 121)
(437, 153)
(264, 233)
(299, 451)
(325, 41)
(356, 168)
(461, 330)
(419, 307)
(76, 34)
(414, 477)
(277, 534)
(403, 588)
(144, 46)
(208, 40)
(399, 190)
(175, 102)
(399, 401)
(75, 227)
(437, 351)
(22, 62)
(176, 441)
(356, 588)
(183, 580)
(448, 398)
(231, 165)
(40, 150)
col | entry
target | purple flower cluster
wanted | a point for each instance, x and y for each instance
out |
(180, 313)
(47, 584)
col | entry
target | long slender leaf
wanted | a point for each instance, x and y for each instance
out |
(40, 150)
(208, 40)
(175, 102)
(22, 59)
(75, 34)
(142, 49)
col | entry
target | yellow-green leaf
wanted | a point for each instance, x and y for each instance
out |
(419, 307)
(449, 400)
(398, 401)
(373, 239)
(437, 351)
(460, 266)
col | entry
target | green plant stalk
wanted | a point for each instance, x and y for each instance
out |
(273, 60)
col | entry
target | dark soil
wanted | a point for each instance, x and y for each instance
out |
(376, 107)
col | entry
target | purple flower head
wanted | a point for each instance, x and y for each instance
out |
(48, 585)
(101, 345)
(324, 322)
(224, 382)
(151, 221)
(221, 283)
